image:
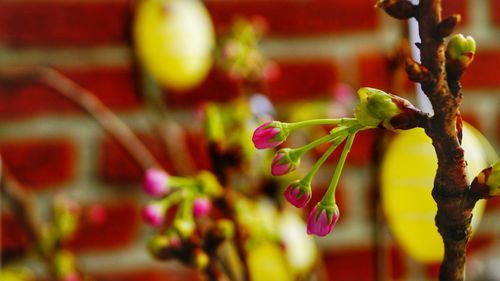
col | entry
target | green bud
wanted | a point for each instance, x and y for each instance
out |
(224, 228)
(214, 128)
(66, 215)
(210, 186)
(183, 222)
(200, 259)
(157, 244)
(461, 49)
(493, 180)
(47, 241)
(376, 108)
(64, 263)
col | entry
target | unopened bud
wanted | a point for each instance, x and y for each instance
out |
(164, 246)
(284, 162)
(490, 178)
(417, 72)
(270, 134)
(66, 216)
(380, 109)
(200, 259)
(210, 186)
(459, 54)
(322, 219)
(64, 264)
(298, 193)
(224, 229)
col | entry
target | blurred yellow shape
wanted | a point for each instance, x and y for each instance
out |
(174, 40)
(407, 178)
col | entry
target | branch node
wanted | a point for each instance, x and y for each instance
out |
(446, 26)
(399, 9)
(417, 72)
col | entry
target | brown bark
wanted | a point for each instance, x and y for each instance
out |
(454, 197)
(450, 184)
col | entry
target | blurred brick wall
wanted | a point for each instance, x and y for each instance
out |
(51, 145)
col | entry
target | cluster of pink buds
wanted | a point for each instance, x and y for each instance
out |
(376, 109)
(191, 195)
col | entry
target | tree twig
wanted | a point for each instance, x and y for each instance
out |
(86, 100)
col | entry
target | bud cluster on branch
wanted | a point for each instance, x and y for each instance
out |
(376, 109)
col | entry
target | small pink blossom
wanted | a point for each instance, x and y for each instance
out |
(282, 163)
(155, 182)
(153, 214)
(297, 194)
(322, 220)
(201, 206)
(268, 135)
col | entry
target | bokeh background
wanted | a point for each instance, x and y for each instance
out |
(321, 46)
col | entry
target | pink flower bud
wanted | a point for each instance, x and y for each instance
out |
(283, 162)
(298, 193)
(269, 135)
(155, 182)
(72, 276)
(154, 214)
(201, 206)
(322, 219)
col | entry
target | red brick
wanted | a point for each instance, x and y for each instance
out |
(498, 129)
(217, 87)
(374, 71)
(118, 229)
(62, 23)
(198, 147)
(493, 204)
(456, 7)
(303, 80)
(298, 80)
(472, 119)
(479, 243)
(396, 264)
(483, 72)
(362, 148)
(116, 165)
(299, 17)
(115, 87)
(40, 164)
(14, 239)
(432, 270)
(346, 264)
(177, 274)
(495, 11)
(68, 23)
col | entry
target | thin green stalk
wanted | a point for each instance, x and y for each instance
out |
(329, 197)
(302, 124)
(336, 142)
(333, 135)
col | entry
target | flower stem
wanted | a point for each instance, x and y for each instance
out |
(333, 135)
(329, 197)
(306, 123)
(181, 182)
(335, 143)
